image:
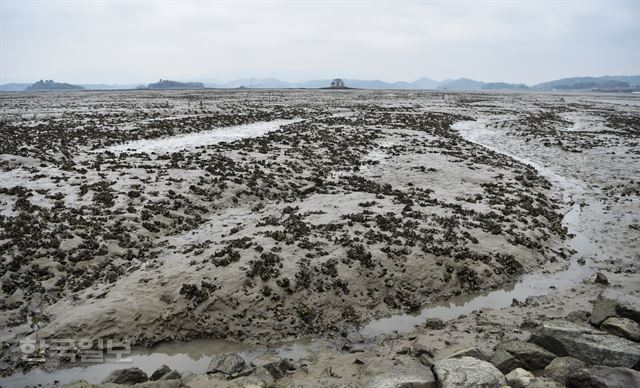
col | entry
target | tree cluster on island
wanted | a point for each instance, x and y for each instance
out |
(168, 84)
(44, 85)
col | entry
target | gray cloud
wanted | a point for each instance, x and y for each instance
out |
(117, 41)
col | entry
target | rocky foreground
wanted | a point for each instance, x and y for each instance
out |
(596, 349)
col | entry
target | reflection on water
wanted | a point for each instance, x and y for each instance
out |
(192, 356)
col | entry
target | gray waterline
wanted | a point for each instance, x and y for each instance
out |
(194, 356)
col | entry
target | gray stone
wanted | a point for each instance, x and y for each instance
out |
(355, 338)
(603, 308)
(357, 348)
(172, 375)
(543, 382)
(406, 374)
(530, 356)
(419, 349)
(601, 279)
(425, 360)
(163, 370)
(265, 359)
(467, 372)
(592, 346)
(613, 303)
(127, 376)
(470, 352)
(434, 323)
(229, 364)
(262, 374)
(519, 378)
(578, 315)
(622, 327)
(504, 361)
(560, 368)
(274, 365)
(603, 377)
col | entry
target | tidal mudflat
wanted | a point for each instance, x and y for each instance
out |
(375, 233)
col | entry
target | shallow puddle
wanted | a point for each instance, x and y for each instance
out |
(192, 356)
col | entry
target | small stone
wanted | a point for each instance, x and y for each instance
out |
(357, 348)
(561, 367)
(582, 261)
(470, 352)
(163, 370)
(601, 279)
(355, 337)
(434, 323)
(127, 376)
(173, 375)
(229, 364)
(529, 324)
(578, 316)
(543, 382)
(404, 350)
(425, 360)
(276, 366)
(519, 378)
(265, 359)
(419, 349)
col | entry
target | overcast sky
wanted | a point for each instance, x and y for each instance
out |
(141, 41)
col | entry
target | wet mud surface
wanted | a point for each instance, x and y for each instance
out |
(332, 213)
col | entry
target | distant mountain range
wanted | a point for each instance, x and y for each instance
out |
(605, 83)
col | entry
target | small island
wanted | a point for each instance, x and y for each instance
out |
(168, 84)
(50, 85)
(337, 83)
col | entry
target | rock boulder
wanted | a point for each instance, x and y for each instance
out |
(229, 364)
(592, 346)
(528, 355)
(560, 368)
(613, 303)
(127, 376)
(467, 372)
(603, 377)
(622, 327)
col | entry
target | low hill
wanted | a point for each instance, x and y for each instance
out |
(168, 84)
(588, 83)
(503, 86)
(14, 87)
(50, 85)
